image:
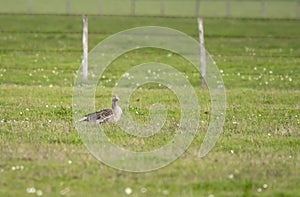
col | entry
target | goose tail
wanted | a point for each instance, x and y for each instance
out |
(82, 119)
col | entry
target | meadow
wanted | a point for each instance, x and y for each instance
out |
(257, 153)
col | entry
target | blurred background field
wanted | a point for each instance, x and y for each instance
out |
(256, 155)
(188, 8)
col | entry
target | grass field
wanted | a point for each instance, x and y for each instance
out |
(256, 155)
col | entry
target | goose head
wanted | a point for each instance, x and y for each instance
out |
(115, 98)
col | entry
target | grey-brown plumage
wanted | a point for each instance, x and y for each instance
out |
(105, 115)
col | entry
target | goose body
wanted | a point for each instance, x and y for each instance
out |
(105, 115)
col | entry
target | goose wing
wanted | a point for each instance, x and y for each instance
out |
(99, 116)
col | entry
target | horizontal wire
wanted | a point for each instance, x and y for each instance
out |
(193, 35)
(153, 16)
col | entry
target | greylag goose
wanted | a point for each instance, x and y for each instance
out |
(105, 115)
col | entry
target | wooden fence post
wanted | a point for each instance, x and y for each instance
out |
(68, 7)
(162, 7)
(228, 8)
(202, 52)
(29, 8)
(132, 7)
(197, 8)
(99, 7)
(298, 10)
(262, 11)
(84, 48)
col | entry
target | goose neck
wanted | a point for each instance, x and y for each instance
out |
(114, 104)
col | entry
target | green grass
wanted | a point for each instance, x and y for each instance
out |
(40, 148)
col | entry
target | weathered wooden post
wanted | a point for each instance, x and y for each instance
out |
(262, 11)
(29, 8)
(298, 10)
(68, 6)
(132, 7)
(202, 52)
(162, 7)
(84, 48)
(197, 8)
(228, 8)
(99, 7)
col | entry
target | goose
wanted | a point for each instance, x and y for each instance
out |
(105, 115)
